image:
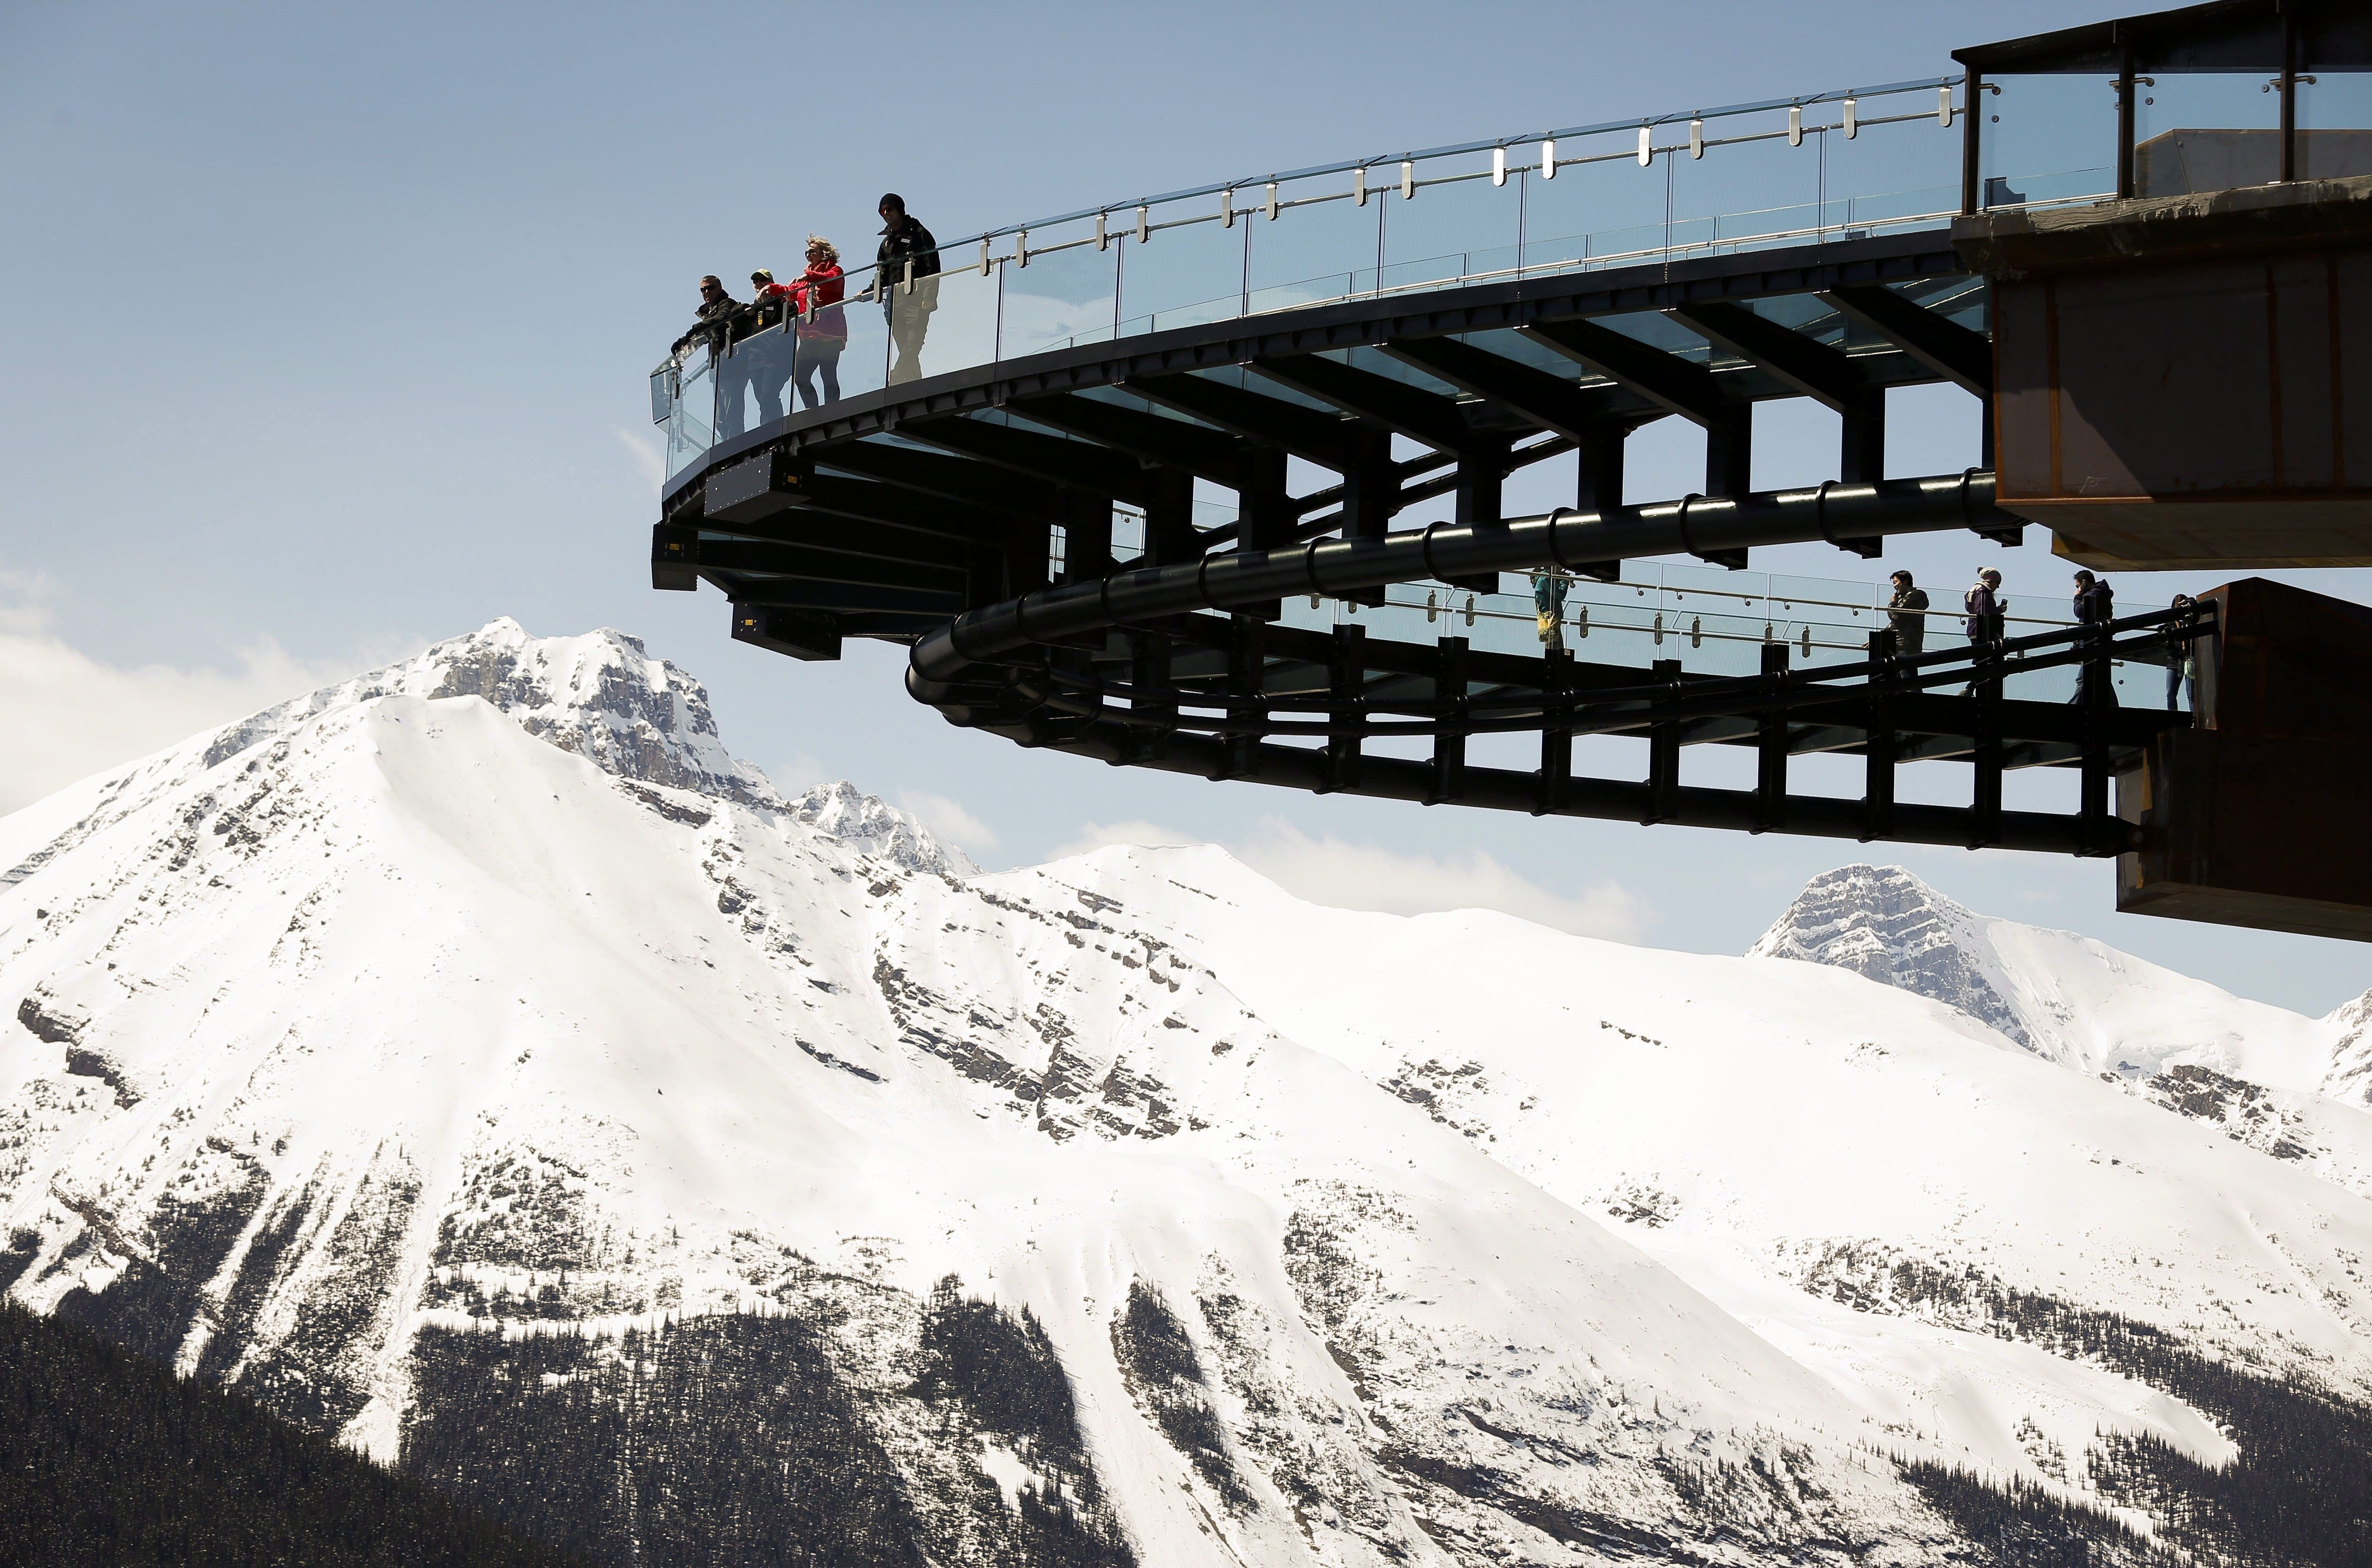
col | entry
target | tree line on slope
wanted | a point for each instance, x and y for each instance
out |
(2300, 1491)
(109, 1460)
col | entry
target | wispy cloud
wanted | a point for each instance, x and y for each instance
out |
(643, 450)
(948, 819)
(68, 715)
(1347, 874)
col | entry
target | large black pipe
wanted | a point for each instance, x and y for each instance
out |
(1336, 568)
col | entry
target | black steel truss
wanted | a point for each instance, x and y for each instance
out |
(923, 514)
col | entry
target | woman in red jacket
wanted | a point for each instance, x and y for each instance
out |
(823, 331)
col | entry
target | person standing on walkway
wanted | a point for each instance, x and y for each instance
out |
(823, 328)
(718, 316)
(770, 305)
(908, 281)
(1548, 601)
(2095, 605)
(2182, 667)
(1987, 618)
(1906, 612)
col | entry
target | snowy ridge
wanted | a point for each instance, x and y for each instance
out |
(2067, 998)
(1122, 1210)
(873, 827)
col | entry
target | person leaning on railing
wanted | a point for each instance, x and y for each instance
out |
(1906, 612)
(719, 315)
(908, 255)
(1548, 606)
(771, 304)
(823, 328)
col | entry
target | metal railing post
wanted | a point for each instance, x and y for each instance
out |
(1247, 669)
(1556, 742)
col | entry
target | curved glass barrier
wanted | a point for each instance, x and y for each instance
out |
(1832, 167)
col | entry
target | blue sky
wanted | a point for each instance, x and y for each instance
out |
(329, 324)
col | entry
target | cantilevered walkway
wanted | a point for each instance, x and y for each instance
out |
(1139, 492)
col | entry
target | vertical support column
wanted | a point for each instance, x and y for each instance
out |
(1862, 459)
(1985, 803)
(1771, 748)
(1169, 516)
(1730, 452)
(1086, 533)
(1599, 486)
(2097, 826)
(1262, 503)
(2289, 95)
(1880, 747)
(1556, 740)
(1448, 781)
(1149, 670)
(1663, 749)
(1481, 476)
(2126, 125)
(1371, 495)
(1346, 682)
(1971, 162)
(1247, 671)
(1025, 558)
(1370, 486)
(1263, 507)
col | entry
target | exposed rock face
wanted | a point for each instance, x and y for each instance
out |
(1885, 925)
(871, 826)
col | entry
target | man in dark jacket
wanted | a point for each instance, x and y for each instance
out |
(1906, 612)
(2095, 605)
(718, 324)
(1987, 620)
(908, 282)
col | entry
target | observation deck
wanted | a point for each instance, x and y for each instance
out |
(1130, 480)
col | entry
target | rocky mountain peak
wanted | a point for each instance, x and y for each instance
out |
(1885, 925)
(871, 826)
(599, 694)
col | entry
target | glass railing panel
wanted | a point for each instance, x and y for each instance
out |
(1900, 169)
(1322, 244)
(2205, 131)
(1067, 295)
(1455, 226)
(1599, 204)
(690, 429)
(2334, 123)
(753, 382)
(1751, 188)
(1187, 272)
(860, 361)
(942, 324)
(2046, 138)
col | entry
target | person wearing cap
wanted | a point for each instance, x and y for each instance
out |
(2095, 605)
(767, 341)
(823, 328)
(718, 314)
(1906, 612)
(1987, 618)
(906, 277)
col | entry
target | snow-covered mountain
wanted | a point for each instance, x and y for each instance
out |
(474, 1060)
